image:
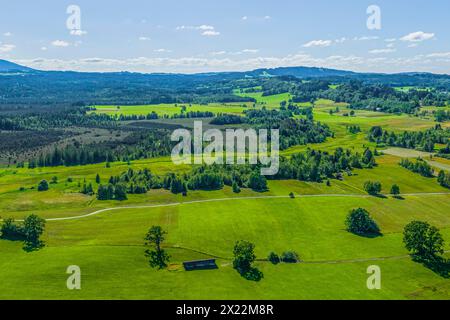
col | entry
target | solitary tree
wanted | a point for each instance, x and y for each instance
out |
(33, 228)
(372, 188)
(97, 179)
(423, 240)
(395, 190)
(359, 222)
(158, 258)
(244, 256)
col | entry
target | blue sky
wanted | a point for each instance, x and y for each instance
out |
(202, 36)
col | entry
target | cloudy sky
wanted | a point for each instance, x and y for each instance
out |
(205, 35)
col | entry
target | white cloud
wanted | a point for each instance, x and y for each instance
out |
(6, 47)
(413, 45)
(250, 51)
(201, 27)
(390, 40)
(244, 18)
(143, 38)
(341, 40)
(78, 32)
(378, 51)
(390, 45)
(439, 55)
(44, 48)
(365, 38)
(207, 30)
(60, 43)
(162, 50)
(318, 43)
(211, 33)
(205, 27)
(436, 62)
(418, 36)
(7, 34)
(218, 53)
(267, 17)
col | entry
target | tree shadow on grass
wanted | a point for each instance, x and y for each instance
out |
(379, 195)
(398, 197)
(253, 274)
(371, 235)
(437, 264)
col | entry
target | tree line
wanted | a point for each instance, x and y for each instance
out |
(420, 140)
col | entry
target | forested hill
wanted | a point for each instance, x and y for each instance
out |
(22, 85)
(6, 66)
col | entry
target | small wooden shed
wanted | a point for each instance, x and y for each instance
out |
(200, 265)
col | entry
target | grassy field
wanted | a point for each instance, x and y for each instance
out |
(270, 102)
(109, 247)
(170, 109)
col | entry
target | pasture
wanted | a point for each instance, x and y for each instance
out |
(108, 246)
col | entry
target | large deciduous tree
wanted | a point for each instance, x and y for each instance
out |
(423, 240)
(158, 258)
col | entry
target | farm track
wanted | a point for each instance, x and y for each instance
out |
(236, 199)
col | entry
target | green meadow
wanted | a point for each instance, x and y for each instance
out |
(270, 102)
(170, 109)
(109, 249)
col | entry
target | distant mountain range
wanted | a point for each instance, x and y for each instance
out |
(399, 79)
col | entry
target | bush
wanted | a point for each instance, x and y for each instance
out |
(359, 222)
(274, 258)
(257, 182)
(43, 186)
(290, 257)
(395, 190)
(372, 188)
(11, 231)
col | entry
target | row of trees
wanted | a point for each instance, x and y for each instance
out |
(312, 165)
(200, 178)
(315, 166)
(421, 140)
(292, 131)
(444, 179)
(419, 166)
(154, 116)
